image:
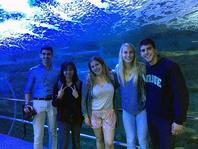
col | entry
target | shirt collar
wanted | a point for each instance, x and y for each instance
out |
(42, 66)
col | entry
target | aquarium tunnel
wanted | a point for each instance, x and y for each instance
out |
(80, 29)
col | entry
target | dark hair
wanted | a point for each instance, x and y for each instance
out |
(47, 48)
(64, 66)
(147, 41)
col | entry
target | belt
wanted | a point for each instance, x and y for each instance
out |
(43, 98)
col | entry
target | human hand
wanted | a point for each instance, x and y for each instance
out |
(27, 108)
(87, 121)
(61, 92)
(176, 128)
(74, 92)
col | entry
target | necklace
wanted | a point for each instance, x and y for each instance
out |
(68, 84)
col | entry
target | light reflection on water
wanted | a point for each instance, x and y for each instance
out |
(31, 19)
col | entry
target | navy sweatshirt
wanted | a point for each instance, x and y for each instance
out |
(166, 91)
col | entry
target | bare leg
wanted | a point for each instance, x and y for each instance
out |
(99, 138)
(109, 137)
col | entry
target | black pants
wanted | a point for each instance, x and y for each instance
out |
(64, 135)
(160, 132)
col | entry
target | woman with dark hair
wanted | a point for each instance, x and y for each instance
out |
(98, 104)
(68, 103)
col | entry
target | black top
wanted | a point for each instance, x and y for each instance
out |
(69, 108)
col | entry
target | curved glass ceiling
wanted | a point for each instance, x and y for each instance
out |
(25, 24)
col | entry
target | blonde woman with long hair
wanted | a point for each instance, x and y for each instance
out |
(130, 75)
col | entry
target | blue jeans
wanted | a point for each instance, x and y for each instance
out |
(64, 135)
(136, 124)
(43, 109)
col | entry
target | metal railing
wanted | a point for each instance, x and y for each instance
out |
(189, 117)
(29, 122)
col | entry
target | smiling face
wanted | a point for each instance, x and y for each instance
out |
(68, 73)
(46, 57)
(96, 67)
(148, 52)
(128, 55)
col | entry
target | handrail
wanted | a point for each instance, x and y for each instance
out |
(81, 134)
(189, 117)
(28, 122)
(12, 99)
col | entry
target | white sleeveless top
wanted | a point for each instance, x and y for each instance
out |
(103, 96)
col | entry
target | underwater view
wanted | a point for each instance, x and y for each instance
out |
(80, 29)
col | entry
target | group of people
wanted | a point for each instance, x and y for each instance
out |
(154, 99)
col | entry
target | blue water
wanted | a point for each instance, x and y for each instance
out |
(67, 24)
(79, 29)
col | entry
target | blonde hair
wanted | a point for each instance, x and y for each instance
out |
(122, 67)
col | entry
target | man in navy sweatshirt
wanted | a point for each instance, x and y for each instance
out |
(166, 97)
